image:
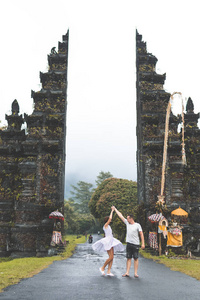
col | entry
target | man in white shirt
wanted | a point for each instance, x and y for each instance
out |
(133, 232)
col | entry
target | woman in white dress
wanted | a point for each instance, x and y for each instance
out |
(109, 244)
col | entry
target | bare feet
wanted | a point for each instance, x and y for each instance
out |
(125, 275)
(136, 276)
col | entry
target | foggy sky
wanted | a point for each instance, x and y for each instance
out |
(101, 112)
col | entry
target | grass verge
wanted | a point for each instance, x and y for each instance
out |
(13, 270)
(187, 266)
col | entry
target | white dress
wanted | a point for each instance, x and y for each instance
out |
(108, 242)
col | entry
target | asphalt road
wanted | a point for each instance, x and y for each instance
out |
(78, 278)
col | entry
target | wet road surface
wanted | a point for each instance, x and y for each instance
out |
(78, 278)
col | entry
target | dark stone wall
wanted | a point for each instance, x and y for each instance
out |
(182, 182)
(32, 165)
(152, 102)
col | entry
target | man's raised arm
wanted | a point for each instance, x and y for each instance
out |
(118, 213)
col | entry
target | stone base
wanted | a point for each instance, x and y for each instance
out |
(196, 253)
(42, 254)
(19, 254)
(4, 253)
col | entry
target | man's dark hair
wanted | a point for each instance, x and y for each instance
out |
(131, 216)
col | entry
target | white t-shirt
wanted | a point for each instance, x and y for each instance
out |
(132, 232)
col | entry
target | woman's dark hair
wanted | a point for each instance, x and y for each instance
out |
(106, 219)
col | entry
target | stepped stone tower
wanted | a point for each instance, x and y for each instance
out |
(32, 165)
(152, 101)
(182, 183)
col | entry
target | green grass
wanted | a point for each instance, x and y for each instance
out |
(13, 270)
(187, 266)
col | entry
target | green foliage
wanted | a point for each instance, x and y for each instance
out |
(81, 196)
(102, 176)
(77, 213)
(70, 220)
(76, 222)
(121, 193)
(84, 222)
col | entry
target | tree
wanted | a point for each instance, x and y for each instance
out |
(121, 193)
(102, 176)
(85, 222)
(81, 196)
(70, 220)
(76, 222)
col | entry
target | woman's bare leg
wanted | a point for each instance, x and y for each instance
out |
(110, 258)
(111, 262)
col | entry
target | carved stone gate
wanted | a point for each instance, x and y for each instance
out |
(32, 164)
(182, 186)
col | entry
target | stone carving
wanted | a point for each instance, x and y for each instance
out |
(182, 182)
(32, 165)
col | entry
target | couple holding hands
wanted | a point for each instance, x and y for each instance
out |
(110, 244)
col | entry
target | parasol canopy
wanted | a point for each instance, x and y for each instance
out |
(156, 218)
(56, 215)
(179, 212)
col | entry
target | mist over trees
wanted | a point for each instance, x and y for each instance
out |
(102, 176)
(81, 195)
(78, 218)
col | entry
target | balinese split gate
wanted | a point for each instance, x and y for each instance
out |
(32, 164)
(182, 164)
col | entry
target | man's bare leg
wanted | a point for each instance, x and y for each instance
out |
(136, 267)
(128, 266)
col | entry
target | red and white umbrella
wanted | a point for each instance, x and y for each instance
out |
(156, 218)
(56, 215)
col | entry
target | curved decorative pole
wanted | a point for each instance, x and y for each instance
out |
(161, 196)
(165, 146)
(166, 143)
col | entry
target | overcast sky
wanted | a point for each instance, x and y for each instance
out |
(101, 113)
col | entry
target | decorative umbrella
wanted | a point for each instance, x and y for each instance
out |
(179, 212)
(56, 215)
(155, 218)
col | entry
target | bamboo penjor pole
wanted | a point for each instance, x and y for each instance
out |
(161, 196)
(166, 141)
